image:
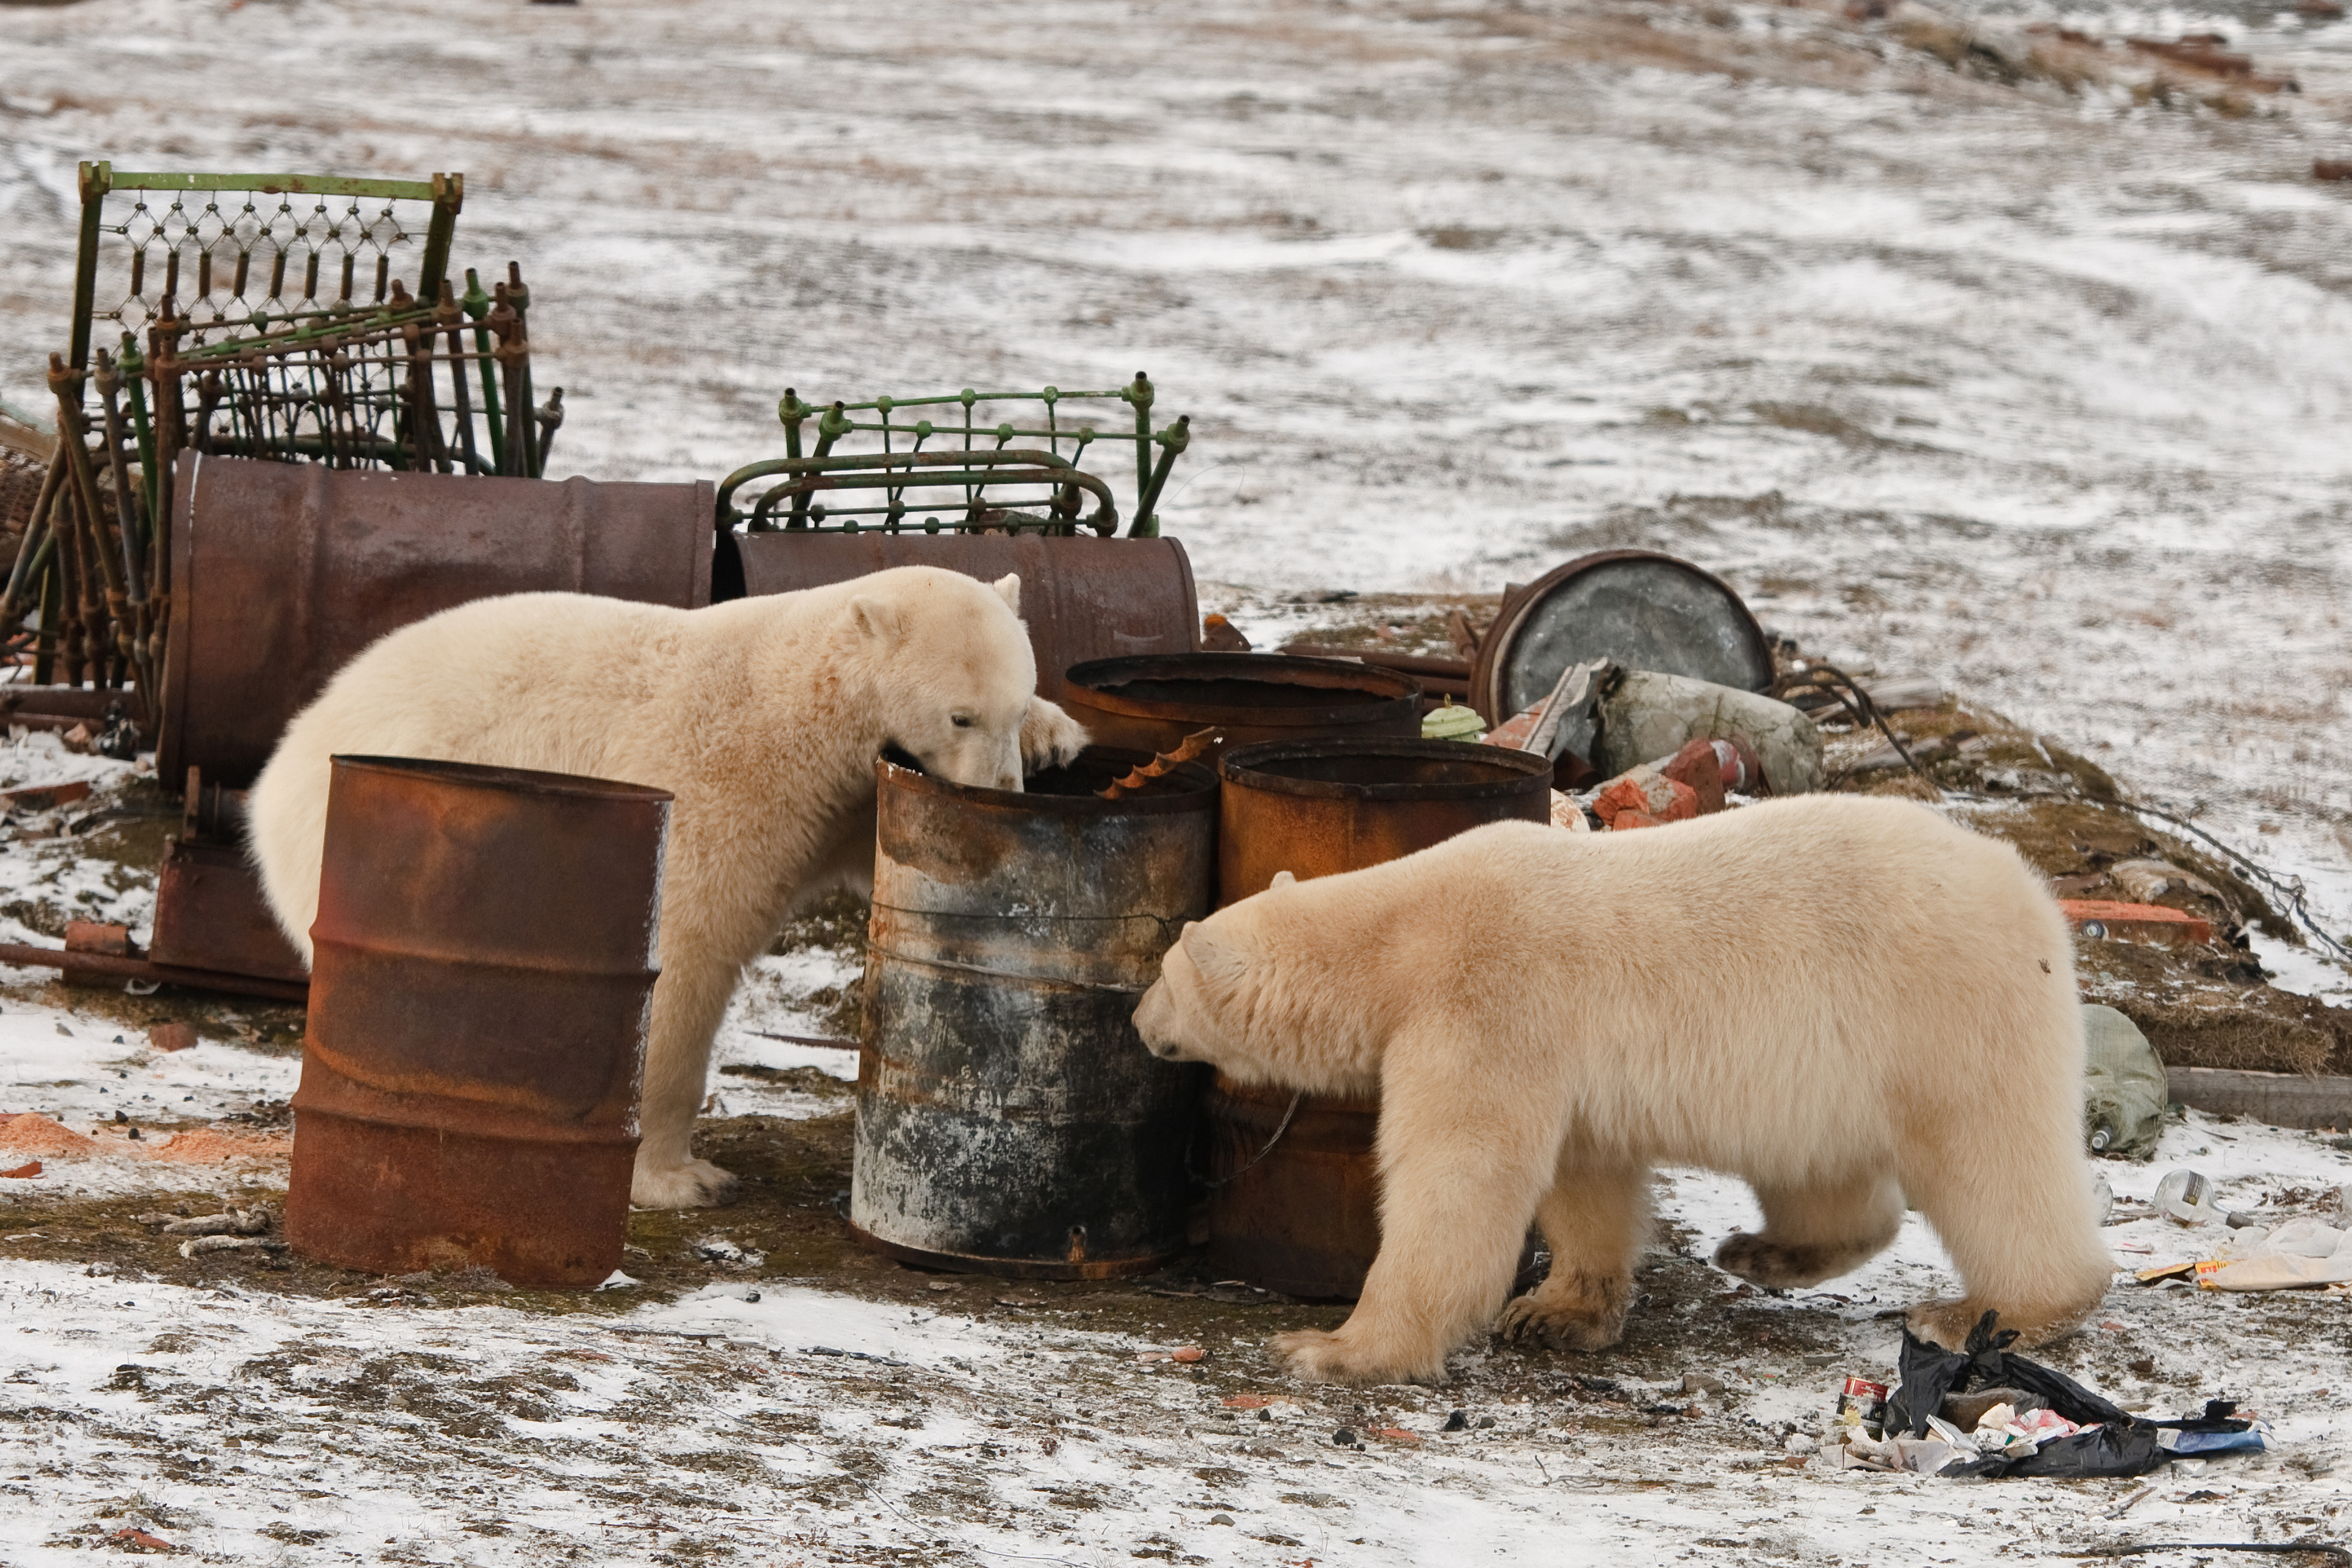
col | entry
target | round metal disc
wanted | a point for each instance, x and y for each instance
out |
(1642, 610)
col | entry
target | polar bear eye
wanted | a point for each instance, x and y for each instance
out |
(961, 720)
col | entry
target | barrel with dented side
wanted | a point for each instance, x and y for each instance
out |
(1009, 1119)
(484, 967)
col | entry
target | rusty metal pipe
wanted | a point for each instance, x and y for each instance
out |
(481, 975)
(29, 956)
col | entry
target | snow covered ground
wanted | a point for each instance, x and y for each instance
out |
(2040, 394)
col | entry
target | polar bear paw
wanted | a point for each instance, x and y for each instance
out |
(1786, 1266)
(1049, 737)
(1321, 1357)
(696, 1184)
(1584, 1314)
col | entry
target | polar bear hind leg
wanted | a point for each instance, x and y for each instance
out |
(1593, 1221)
(2019, 1231)
(1815, 1231)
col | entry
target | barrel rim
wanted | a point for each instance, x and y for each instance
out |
(1390, 686)
(1241, 768)
(1201, 791)
(479, 775)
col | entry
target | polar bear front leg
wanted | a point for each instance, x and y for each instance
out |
(1593, 1221)
(1460, 1173)
(689, 1000)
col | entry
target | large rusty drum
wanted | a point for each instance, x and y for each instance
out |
(1151, 704)
(1081, 597)
(484, 965)
(1009, 1119)
(1299, 1207)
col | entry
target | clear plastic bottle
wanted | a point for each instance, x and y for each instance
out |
(2186, 1197)
(2102, 1198)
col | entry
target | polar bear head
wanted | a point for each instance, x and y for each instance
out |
(1240, 991)
(950, 676)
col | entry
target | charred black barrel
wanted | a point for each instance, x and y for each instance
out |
(1009, 1119)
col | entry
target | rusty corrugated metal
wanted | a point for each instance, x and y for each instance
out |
(282, 572)
(1082, 598)
(483, 968)
(1305, 1219)
(1152, 703)
(1009, 1119)
(210, 914)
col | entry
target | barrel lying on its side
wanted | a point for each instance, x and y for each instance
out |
(1009, 1119)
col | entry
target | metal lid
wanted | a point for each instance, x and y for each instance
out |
(1639, 608)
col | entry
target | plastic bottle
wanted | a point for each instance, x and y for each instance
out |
(2186, 1197)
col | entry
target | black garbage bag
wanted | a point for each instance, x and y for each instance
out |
(2122, 1445)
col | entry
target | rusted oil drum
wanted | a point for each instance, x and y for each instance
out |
(1081, 597)
(1151, 704)
(1009, 1119)
(281, 573)
(1305, 1219)
(484, 961)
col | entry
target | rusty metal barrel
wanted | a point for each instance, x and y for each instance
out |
(484, 961)
(1009, 1119)
(1151, 702)
(1304, 1218)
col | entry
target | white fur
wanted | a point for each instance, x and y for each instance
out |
(763, 715)
(1844, 999)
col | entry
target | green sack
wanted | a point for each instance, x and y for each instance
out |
(2123, 1091)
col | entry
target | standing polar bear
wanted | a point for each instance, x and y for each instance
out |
(761, 716)
(1844, 999)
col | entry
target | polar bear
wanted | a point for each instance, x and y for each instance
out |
(762, 717)
(1845, 1001)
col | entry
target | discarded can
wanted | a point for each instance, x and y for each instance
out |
(1009, 1119)
(1864, 1403)
(1152, 703)
(484, 961)
(1299, 1207)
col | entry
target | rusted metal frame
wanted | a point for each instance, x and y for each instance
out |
(30, 956)
(132, 634)
(113, 633)
(423, 414)
(893, 472)
(525, 409)
(1172, 442)
(36, 533)
(461, 395)
(95, 180)
(477, 305)
(45, 642)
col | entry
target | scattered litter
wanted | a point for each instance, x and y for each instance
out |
(2186, 1197)
(197, 1245)
(235, 1222)
(853, 1355)
(2124, 1091)
(172, 1037)
(2151, 925)
(617, 1280)
(21, 1171)
(1643, 797)
(718, 1249)
(2302, 1252)
(1185, 1353)
(1452, 721)
(135, 1540)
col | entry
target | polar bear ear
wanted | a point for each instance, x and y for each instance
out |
(1282, 879)
(877, 618)
(1221, 960)
(1008, 588)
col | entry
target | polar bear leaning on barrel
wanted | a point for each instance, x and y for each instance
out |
(763, 715)
(1845, 1001)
